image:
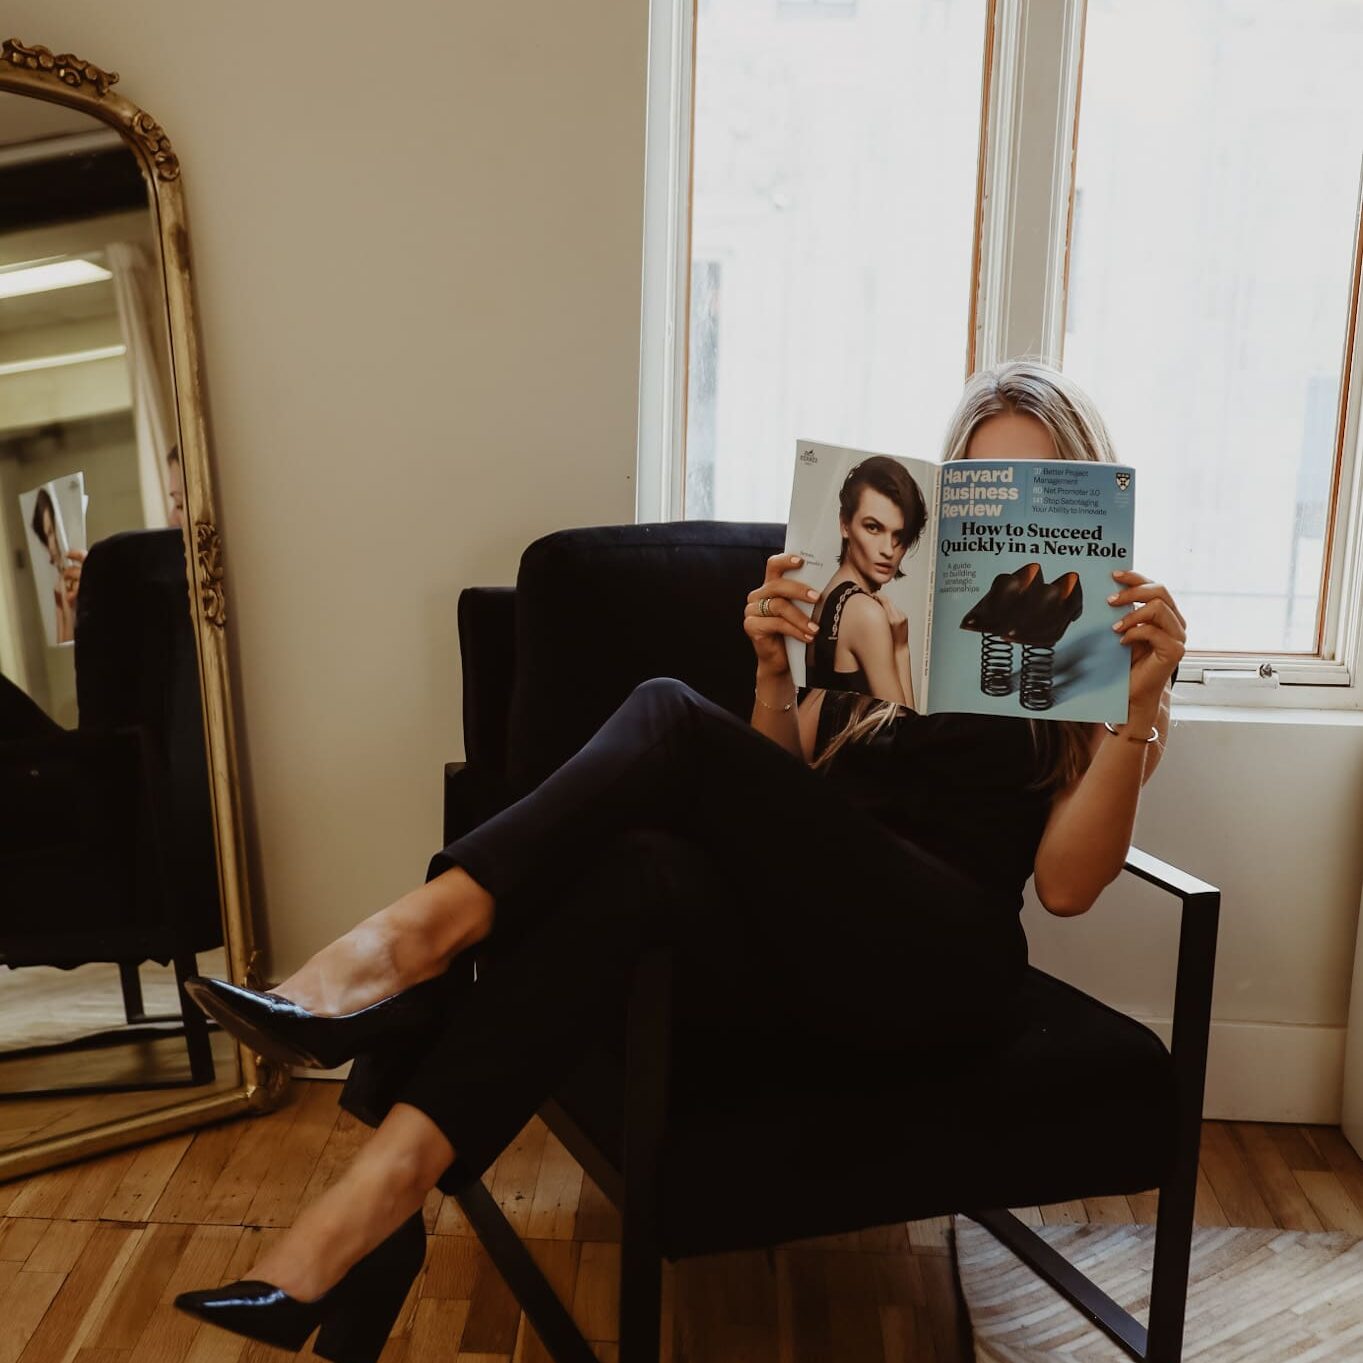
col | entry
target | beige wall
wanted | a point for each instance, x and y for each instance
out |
(417, 237)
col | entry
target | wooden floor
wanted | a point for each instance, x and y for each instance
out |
(91, 1255)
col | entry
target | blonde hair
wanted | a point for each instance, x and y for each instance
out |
(1034, 388)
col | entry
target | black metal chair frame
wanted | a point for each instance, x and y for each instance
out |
(633, 1188)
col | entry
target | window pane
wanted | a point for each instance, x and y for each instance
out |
(1216, 188)
(833, 214)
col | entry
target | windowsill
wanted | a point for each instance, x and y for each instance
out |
(1194, 712)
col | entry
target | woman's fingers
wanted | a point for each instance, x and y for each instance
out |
(784, 586)
(1157, 612)
(1137, 587)
(782, 618)
(1161, 643)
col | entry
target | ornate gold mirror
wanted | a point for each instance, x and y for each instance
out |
(121, 867)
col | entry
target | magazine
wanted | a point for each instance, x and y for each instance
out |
(977, 586)
(54, 517)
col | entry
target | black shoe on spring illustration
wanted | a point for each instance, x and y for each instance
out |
(991, 615)
(1022, 608)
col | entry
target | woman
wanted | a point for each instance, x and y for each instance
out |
(66, 566)
(863, 641)
(909, 938)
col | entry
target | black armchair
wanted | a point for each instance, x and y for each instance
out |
(107, 848)
(700, 1152)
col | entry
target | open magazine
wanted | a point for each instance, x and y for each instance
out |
(54, 516)
(976, 586)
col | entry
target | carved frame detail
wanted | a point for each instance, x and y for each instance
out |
(63, 78)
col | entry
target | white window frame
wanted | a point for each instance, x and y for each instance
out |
(1034, 65)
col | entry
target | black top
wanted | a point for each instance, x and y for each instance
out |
(955, 784)
(820, 654)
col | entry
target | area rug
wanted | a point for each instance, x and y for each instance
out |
(1254, 1296)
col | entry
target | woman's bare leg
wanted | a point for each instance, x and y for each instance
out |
(381, 1187)
(411, 940)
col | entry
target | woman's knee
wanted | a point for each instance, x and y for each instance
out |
(666, 694)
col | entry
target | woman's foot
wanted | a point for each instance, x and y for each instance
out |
(384, 1185)
(411, 940)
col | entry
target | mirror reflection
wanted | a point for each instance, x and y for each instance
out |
(108, 872)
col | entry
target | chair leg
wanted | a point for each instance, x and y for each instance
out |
(641, 1299)
(197, 1041)
(133, 1007)
(1173, 1248)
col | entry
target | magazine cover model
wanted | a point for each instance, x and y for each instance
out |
(54, 514)
(977, 586)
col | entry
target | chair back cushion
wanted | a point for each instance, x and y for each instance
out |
(598, 610)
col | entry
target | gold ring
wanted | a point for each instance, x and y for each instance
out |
(764, 606)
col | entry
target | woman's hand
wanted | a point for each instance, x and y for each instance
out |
(899, 622)
(1156, 633)
(71, 575)
(769, 632)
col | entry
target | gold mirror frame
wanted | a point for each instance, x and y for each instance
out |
(66, 79)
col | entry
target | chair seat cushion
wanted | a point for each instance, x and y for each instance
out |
(765, 1146)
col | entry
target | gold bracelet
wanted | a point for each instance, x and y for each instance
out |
(1154, 734)
(777, 709)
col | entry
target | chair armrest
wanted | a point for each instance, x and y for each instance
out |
(1170, 878)
(1192, 987)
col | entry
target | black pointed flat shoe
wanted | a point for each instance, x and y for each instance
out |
(993, 611)
(1047, 612)
(356, 1316)
(281, 1030)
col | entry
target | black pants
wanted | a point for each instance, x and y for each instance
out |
(792, 916)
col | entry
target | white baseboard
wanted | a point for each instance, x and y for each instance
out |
(1271, 1071)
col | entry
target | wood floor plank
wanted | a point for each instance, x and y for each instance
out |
(453, 1263)
(1231, 1180)
(70, 1323)
(930, 1235)
(145, 1180)
(22, 1307)
(61, 1245)
(1207, 1210)
(596, 1295)
(1063, 1213)
(597, 1218)
(553, 1208)
(140, 1286)
(168, 1333)
(437, 1330)
(1341, 1159)
(248, 1166)
(1280, 1190)
(1336, 1209)
(95, 1184)
(518, 1167)
(1297, 1148)
(494, 1317)
(557, 1260)
(44, 1194)
(1108, 1211)
(1144, 1206)
(347, 1137)
(186, 1194)
(279, 1197)
(19, 1237)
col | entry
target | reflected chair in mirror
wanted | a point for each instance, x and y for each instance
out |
(711, 1146)
(110, 853)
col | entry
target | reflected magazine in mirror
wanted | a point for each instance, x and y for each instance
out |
(978, 586)
(54, 516)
